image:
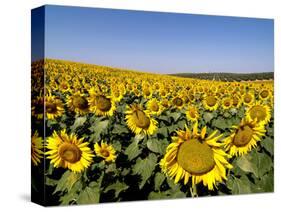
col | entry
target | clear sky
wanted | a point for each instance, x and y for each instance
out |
(159, 42)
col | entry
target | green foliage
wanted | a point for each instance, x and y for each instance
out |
(89, 195)
(145, 167)
(133, 149)
(117, 188)
(157, 146)
(98, 127)
(79, 121)
(67, 181)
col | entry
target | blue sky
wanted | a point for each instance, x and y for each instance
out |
(159, 42)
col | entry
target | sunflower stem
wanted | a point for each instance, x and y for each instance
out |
(193, 191)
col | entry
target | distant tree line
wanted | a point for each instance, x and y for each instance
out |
(230, 77)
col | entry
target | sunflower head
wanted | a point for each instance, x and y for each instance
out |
(244, 137)
(67, 151)
(226, 103)
(178, 102)
(139, 120)
(192, 113)
(106, 151)
(78, 103)
(248, 99)
(37, 107)
(102, 105)
(36, 149)
(260, 112)
(154, 106)
(264, 94)
(210, 102)
(192, 154)
(54, 107)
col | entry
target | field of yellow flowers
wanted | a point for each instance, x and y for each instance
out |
(102, 134)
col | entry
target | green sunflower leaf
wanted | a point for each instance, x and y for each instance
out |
(67, 181)
(208, 117)
(79, 121)
(266, 183)
(242, 186)
(158, 180)
(175, 116)
(268, 144)
(71, 196)
(132, 151)
(157, 146)
(145, 168)
(245, 163)
(256, 163)
(90, 194)
(119, 129)
(117, 187)
(163, 131)
(98, 127)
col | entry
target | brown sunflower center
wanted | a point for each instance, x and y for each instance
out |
(165, 103)
(64, 86)
(227, 103)
(258, 112)
(104, 153)
(163, 93)
(154, 106)
(211, 101)
(70, 152)
(146, 92)
(247, 98)
(192, 112)
(80, 102)
(157, 86)
(178, 101)
(264, 93)
(141, 120)
(191, 97)
(243, 136)
(195, 157)
(116, 93)
(103, 103)
(235, 101)
(51, 107)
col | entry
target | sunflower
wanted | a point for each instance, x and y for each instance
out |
(54, 107)
(163, 92)
(264, 94)
(106, 151)
(210, 102)
(236, 101)
(244, 137)
(147, 92)
(67, 151)
(259, 111)
(139, 120)
(136, 92)
(37, 107)
(165, 103)
(116, 94)
(194, 155)
(248, 99)
(64, 86)
(101, 105)
(78, 103)
(178, 102)
(226, 103)
(36, 149)
(154, 107)
(192, 113)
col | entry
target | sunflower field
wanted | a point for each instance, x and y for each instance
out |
(102, 134)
